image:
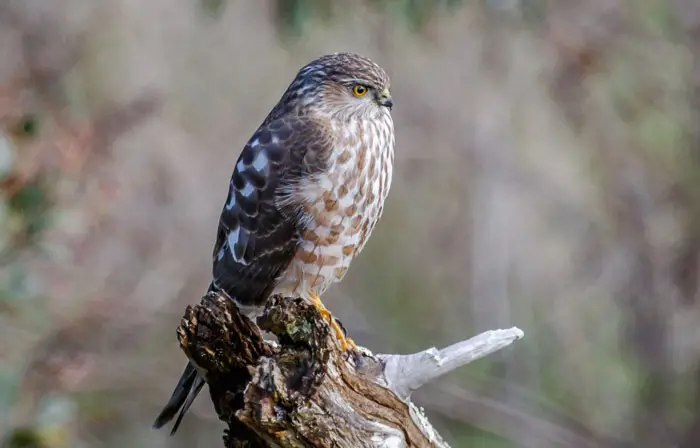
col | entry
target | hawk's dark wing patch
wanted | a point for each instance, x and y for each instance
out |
(256, 240)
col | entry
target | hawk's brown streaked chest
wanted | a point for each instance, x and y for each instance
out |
(342, 205)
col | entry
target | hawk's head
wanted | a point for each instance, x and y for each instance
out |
(345, 85)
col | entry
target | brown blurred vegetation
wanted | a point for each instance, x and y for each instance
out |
(548, 176)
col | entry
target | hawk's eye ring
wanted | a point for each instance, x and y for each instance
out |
(359, 90)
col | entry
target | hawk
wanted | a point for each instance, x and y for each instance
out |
(305, 194)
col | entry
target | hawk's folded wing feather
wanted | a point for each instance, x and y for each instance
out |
(256, 239)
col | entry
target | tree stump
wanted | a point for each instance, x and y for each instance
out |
(303, 391)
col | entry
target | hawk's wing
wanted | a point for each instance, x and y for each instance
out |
(256, 240)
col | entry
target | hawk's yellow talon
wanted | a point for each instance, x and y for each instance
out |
(351, 344)
(339, 334)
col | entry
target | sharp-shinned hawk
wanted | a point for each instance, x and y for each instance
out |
(305, 194)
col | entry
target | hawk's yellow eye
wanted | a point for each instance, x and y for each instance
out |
(359, 90)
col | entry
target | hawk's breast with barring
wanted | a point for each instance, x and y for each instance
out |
(341, 205)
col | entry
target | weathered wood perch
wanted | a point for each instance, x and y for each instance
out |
(304, 391)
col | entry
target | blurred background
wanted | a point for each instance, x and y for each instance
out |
(547, 177)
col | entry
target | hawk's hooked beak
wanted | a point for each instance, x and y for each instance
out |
(385, 99)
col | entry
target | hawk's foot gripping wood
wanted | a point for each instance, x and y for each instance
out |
(305, 392)
(345, 342)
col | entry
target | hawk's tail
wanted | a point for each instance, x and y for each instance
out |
(187, 389)
(191, 382)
